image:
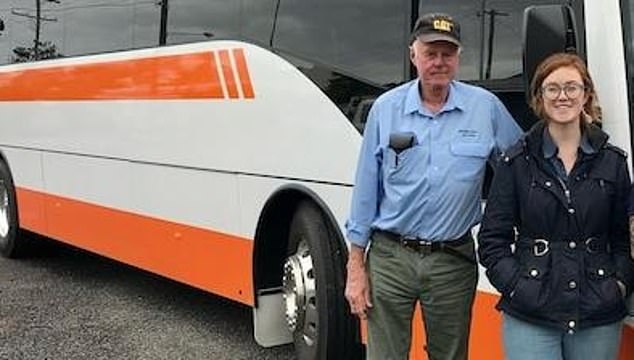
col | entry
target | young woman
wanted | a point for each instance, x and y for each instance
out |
(554, 237)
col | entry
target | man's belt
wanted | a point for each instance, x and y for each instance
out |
(425, 246)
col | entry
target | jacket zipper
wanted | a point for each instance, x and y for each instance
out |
(566, 190)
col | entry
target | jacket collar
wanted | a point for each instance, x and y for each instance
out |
(550, 149)
(534, 138)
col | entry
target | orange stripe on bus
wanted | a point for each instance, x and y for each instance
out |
(627, 343)
(227, 71)
(188, 76)
(243, 73)
(31, 212)
(206, 259)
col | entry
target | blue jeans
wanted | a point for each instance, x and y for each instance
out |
(526, 341)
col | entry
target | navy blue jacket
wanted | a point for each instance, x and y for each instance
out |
(555, 249)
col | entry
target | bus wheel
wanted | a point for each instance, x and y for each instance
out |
(9, 244)
(313, 281)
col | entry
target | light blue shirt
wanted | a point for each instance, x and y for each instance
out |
(432, 189)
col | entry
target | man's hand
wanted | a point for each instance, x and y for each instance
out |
(357, 285)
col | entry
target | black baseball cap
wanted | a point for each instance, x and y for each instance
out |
(436, 27)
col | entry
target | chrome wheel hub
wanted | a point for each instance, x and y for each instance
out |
(300, 294)
(4, 211)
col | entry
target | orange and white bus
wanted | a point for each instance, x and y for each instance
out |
(214, 142)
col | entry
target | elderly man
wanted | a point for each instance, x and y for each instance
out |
(417, 196)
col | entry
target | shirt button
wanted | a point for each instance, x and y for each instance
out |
(571, 324)
(571, 211)
(548, 184)
(534, 272)
(572, 284)
(572, 244)
(601, 272)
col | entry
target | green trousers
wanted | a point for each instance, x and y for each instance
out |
(443, 283)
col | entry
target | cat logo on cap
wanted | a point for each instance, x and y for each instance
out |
(443, 25)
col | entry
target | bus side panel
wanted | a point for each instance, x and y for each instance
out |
(120, 209)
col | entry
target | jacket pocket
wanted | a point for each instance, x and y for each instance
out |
(470, 159)
(532, 291)
(603, 292)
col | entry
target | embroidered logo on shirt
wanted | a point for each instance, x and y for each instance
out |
(468, 134)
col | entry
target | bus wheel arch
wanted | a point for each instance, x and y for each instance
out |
(299, 250)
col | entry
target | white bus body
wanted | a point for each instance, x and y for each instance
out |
(193, 161)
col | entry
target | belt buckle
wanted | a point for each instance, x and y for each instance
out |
(425, 246)
(416, 244)
(540, 247)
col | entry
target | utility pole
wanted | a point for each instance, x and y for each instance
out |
(38, 24)
(492, 14)
(38, 19)
(163, 27)
(481, 15)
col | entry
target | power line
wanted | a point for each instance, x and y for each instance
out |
(61, 7)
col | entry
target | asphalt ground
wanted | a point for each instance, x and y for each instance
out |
(63, 303)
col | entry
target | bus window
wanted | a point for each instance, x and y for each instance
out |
(75, 27)
(145, 31)
(368, 44)
(17, 41)
(93, 26)
(479, 61)
(257, 20)
(199, 20)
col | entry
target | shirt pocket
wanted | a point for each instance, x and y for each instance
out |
(406, 167)
(469, 159)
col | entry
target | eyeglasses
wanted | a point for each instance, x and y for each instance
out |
(572, 90)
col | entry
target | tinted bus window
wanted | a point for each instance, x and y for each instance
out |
(484, 22)
(257, 20)
(75, 27)
(198, 20)
(365, 38)
(17, 40)
(94, 26)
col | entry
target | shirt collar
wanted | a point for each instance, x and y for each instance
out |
(550, 149)
(413, 101)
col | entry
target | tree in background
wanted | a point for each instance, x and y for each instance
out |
(45, 50)
(41, 49)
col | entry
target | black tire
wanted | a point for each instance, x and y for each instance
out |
(325, 329)
(10, 245)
